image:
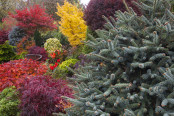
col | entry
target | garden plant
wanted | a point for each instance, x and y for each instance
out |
(106, 58)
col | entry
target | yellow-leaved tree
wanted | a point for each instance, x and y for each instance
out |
(72, 24)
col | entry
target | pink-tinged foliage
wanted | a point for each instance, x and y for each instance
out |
(38, 50)
(96, 8)
(34, 18)
(41, 96)
(3, 36)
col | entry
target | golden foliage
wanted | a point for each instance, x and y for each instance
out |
(72, 24)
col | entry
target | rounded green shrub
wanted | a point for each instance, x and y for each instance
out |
(67, 63)
(52, 44)
(9, 102)
(6, 52)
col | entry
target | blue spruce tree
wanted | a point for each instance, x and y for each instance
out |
(132, 73)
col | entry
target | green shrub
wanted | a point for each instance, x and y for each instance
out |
(86, 49)
(9, 102)
(67, 63)
(62, 71)
(58, 73)
(1, 26)
(63, 40)
(6, 52)
(20, 56)
(55, 34)
(38, 39)
(52, 44)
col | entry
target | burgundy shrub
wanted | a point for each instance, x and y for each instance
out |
(38, 50)
(96, 8)
(41, 96)
(3, 36)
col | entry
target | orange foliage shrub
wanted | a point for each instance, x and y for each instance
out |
(14, 72)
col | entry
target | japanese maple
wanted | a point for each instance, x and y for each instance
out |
(9, 22)
(33, 18)
(38, 50)
(13, 72)
(3, 36)
(41, 96)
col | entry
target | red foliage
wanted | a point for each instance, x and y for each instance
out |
(3, 36)
(55, 65)
(56, 57)
(13, 72)
(96, 8)
(41, 96)
(34, 18)
(38, 50)
(9, 22)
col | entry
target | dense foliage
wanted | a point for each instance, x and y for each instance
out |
(62, 38)
(52, 44)
(38, 50)
(51, 7)
(6, 52)
(8, 23)
(14, 72)
(9, 102)
(3, 36)
(7, 6)
(15, 35)
(67, 63)
(62, 70)
(38, 38)
(82, 61)
(132, 72)
(127, 69)
(33, 18)
(58, 55)
(24, 45)
(41, 96)
(97, 8)
(72, 24)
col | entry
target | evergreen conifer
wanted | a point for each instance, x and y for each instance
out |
(132, 73)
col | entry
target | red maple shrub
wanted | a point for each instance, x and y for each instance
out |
(38, 50)
(12, 73)
(34, 18)
(3, 36)
(41, 96)
(96, 8)
(9, 22)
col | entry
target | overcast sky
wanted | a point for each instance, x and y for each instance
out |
(85, 2)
